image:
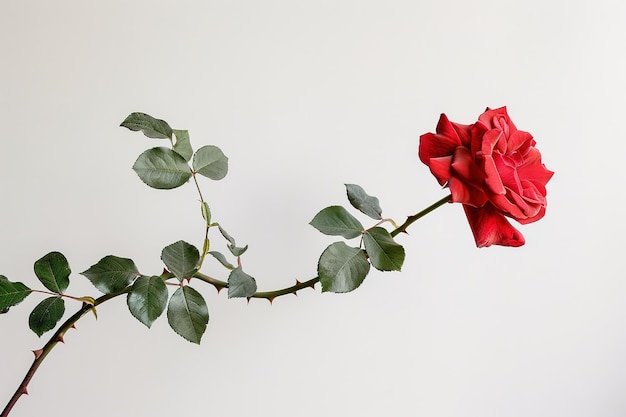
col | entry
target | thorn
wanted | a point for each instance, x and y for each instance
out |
(165, 271)
(271, 300)
(24, 391)
(219, 289)
(73, 327)
(248, 298)
(298, 282)
(295, 293)
(60, 338)
(313, 285)
(37, 353)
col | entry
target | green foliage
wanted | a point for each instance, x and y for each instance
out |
(112, 274)
(221, 259)
(53, 271)
(206, 213)
(232, 245)
(226, 236)
(342, 268)
(384, 253)
(181, 259)
(151, 127)
(240, 284)
(365, 203)
(211, 162)
(187, 314)
(336, 221)
(46, 315)
(162, 168)
(147, 299)
(11, 293)
(183, 144)
(237, 250)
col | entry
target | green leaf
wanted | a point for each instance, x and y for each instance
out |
(46, 315)
(206, 213)
(342, 268)
(53, 271)
(222, 259)
(151, 127)
(181, 259)
(147, 299)
(236, 250)
(187, 314)
(385, 254)
(11, 293)
(336, 221)
(112, 274)
(211, 162)
(228, 237)
(240, 284)
(162, 168)
(366, 204)
(182, 146)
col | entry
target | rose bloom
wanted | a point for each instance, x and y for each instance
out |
(493, 169)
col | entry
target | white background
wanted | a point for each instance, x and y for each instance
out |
(304, 96)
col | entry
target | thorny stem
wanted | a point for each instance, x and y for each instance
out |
(41, 354)
(412, 219)
(271, 295)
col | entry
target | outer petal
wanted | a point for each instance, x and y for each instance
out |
(464, 132)
(490, 227)
(440, 168)
(442, 143)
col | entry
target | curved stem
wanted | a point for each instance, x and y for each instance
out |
(41, 354)
(270, 295)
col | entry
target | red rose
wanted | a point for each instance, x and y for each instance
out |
(493, 169)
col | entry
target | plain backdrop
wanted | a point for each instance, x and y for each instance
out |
(304, 96)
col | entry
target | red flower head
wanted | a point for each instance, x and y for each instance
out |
(493, 169)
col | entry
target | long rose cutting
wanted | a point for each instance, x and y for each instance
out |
(490, 167)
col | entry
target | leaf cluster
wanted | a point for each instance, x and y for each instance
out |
(342, 268)
(165, 168)
(147, 296)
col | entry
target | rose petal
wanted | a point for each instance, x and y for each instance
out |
(466, 194)
(490, 227)
(494, 141)
(538, 216)
(465, 168)
(519, 141)
(493, 118)
(505, 169)
(535, 172)
(503, 203)
(493, 181)
(440, 168)
(464, 132)
(435, 145)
